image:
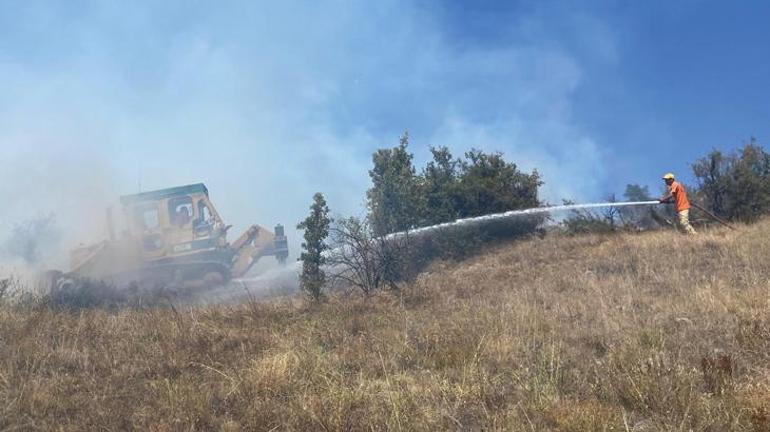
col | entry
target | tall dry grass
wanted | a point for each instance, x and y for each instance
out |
(641, 332)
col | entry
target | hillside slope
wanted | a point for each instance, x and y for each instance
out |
(629, 332)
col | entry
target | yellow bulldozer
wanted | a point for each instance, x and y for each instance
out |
(171, 237)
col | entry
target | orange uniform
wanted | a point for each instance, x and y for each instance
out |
(680, 196)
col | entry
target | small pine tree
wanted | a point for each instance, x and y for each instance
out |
(316, 227)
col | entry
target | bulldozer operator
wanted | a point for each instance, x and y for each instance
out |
(678, 196)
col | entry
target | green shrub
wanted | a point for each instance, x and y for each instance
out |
(735, 185)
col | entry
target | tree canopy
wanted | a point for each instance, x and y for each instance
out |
(446, 189)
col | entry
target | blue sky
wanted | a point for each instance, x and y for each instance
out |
(269, 102)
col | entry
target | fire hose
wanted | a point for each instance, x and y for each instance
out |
(707, 213)
(712, 215)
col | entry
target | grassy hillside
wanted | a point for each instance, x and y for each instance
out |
(639, 332)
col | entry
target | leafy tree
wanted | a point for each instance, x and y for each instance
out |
(480, 184)
(440, 188)
(489, 184)
(710, 171)
(635, 192)
(641, 218)
(394, 199)
(316, 227)
(446, 189)
(735, 185)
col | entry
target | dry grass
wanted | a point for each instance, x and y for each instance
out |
(631, 332)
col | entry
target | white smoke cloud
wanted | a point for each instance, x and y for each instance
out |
(269, 103)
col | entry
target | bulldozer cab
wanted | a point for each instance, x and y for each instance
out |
(174, 221)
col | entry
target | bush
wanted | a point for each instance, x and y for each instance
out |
(488, 184)
(735, 185)
(584, 221)
(362, 259)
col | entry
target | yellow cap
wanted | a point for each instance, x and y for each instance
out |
(668, 176)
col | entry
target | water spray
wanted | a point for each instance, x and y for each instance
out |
(291, 270)
(514, 213)
(289, 273)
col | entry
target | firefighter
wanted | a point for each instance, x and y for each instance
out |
(678, 196)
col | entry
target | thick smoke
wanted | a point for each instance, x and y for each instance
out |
(53, 201)
(266, 103)
(269, 103)
(31, 240)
